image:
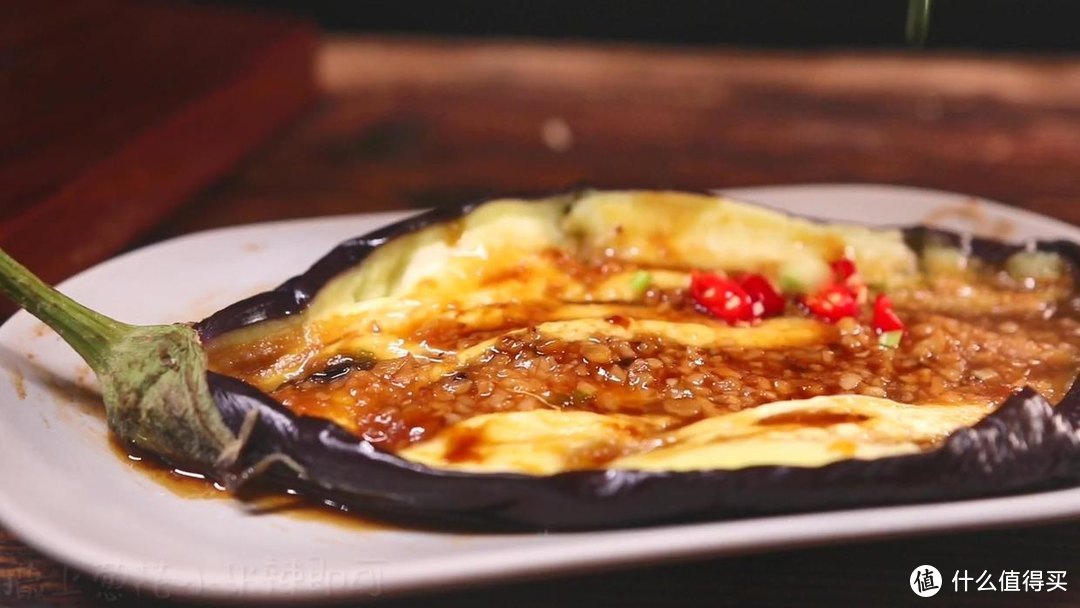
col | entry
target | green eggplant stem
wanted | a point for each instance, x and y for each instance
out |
(90, 333)
(153, 377)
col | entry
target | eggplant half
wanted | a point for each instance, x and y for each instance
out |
(608, 359)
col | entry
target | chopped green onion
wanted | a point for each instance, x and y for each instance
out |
(804, 275)
(580, 397)
(891, 339)
(944, 261)
(1038, 265)
(640, 282)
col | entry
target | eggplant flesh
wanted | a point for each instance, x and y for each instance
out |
(1025, 444)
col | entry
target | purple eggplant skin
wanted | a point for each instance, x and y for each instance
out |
(1025, 445)
(293, 296)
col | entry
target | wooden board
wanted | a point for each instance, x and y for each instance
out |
(112, 113)
(414, 123)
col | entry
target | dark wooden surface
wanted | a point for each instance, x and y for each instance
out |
(410, 124)
(414, 125)
(111, 115)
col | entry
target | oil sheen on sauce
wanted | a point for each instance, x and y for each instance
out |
(261, 501)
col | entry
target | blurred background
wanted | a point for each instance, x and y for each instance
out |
(123, 122)
(972, 24)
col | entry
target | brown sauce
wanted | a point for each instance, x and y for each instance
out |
(260, 500)
(942, 360)
(812, 419)
(18, 382)
(951, 353)
(463, 443)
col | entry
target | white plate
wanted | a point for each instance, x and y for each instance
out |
(66, 492)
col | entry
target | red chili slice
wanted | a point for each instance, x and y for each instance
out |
(766, 300)
(833, 302)
(721, 297)
(843, 269)
(847, 273)
(885, 318)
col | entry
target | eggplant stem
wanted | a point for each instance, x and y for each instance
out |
(153, 377)
(90, 333)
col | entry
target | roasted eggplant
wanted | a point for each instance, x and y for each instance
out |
(605, 359)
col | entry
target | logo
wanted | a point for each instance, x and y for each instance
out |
(925, 581)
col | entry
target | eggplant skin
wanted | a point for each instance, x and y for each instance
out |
(1026, 444)
(293, 296)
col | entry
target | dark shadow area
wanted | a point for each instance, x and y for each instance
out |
(980, 24)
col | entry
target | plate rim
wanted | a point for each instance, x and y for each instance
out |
(695, 539)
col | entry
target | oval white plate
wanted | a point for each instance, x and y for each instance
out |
(68, 494)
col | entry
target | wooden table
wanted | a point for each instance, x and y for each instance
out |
(408, 124)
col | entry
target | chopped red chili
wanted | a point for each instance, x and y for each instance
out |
(832, 303)
(885, 318)
(722, 297)
(765, 298)
(843, 269)
(846, 273)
